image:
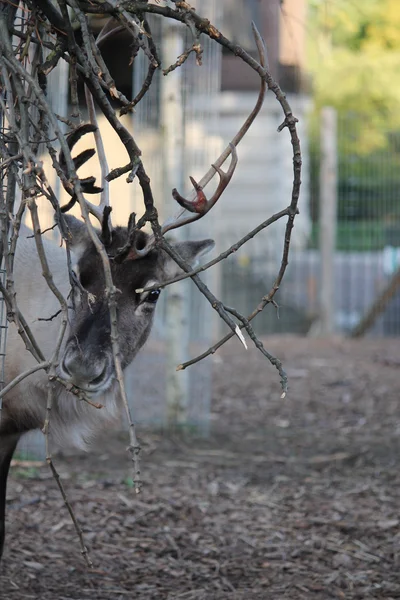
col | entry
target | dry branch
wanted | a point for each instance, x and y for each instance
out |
(64, 29)
(378, 306)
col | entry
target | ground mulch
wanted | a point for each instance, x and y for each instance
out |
(287, 499)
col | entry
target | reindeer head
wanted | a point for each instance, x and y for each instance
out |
(87, 359)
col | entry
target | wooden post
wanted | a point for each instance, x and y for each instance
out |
(327, 218)
(177, 309)
(378, 306)
(57, 91)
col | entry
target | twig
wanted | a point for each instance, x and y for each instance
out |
(15, 315)
(272, 359)
(234, 248)
(182, 58)
(9, 160)
(77, 392)
(49, 460)
(216, 304)
(42, 365)
(153, 66)
(42, 232)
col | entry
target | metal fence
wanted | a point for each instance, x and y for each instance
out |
(173, 151)
(367, 251)
(148, 379)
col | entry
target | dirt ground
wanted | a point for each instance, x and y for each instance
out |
(288, 499)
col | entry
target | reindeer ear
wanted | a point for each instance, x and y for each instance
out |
(191, 252)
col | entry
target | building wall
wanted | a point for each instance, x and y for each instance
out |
(292, 33)
(262, 183)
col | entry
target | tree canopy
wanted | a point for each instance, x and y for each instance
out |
(354, 57)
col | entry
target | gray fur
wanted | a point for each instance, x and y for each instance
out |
(86, 356)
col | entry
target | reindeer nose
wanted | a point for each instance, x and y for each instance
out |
(87, 373)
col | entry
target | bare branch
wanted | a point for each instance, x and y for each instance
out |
(98, 211)
(153, 66)
(272, 359)
(49, 459)
(32, 122)
(42, 365)
(234, 248)
(199, 206)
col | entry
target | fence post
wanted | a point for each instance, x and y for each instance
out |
(327, 218)
(172, 123)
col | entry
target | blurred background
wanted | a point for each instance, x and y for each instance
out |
(337, 62)
(291, 499)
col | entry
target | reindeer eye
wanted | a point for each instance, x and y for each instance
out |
(152, 296)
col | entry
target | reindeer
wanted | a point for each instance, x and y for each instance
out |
(86, 356)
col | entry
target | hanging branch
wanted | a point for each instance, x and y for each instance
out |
(154, 63)
(64, 28)
(89, 67)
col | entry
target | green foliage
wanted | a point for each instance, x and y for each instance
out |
(354, 57)
(368, 186)
(128, 481)
(355, 236)
(26, 473)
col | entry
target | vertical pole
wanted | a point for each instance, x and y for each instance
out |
(172, 124)
(58, 91)
(327, 218)
(57, 94)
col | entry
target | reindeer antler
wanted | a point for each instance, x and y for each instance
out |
(102, 210)
(87, 184)
(193, 209)
(200, 206)
(196, 208)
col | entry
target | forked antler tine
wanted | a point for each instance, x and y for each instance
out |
(133, 248)
(200, 205)
(191, 204)
(87, 184)
(224, 177)
(246, 125)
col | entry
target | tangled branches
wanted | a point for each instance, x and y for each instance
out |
(35, 38)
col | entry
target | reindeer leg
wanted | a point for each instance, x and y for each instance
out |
(8, 443)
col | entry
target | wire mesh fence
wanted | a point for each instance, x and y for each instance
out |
(196, 149)
(367, 248)
(147, 380)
